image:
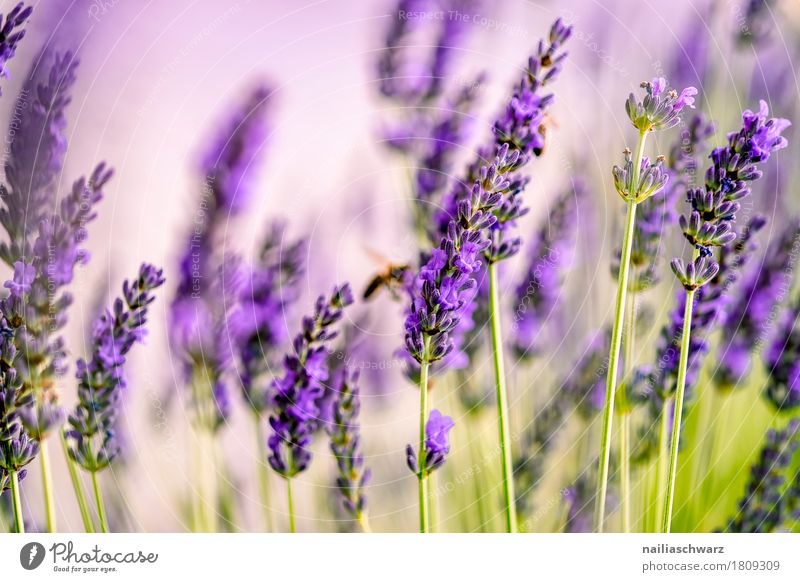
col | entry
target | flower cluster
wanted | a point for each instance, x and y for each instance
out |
(660, 107)
(437, 445)
(91, 432)
(36, 153)
(520, 127)
(658, 211)
(11, 32)
(714, 208)
(753, 305)
(445, 284)
(17, 447)
(295, 395)
(649, 179)
(345, 437)
(551, 254)
(209, 285)
(782, 361)
(258, 327)
(763, 507)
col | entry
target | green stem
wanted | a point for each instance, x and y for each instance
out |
(476, 456)
(290, 503)
(98, 496)
(424, 518)
(676, 420)
(624, 409)
(88, 526)
(19, 522)
(363, 522)
(263, 471)
(47, 486)
(613, 366)
(661, 462)
(502, 402)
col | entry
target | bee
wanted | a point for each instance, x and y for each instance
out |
(544, 127)
(391, 278)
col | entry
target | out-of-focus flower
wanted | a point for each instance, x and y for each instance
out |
(744, 332)
(92, 432)
(757, 23)
(551, 254)
(763, 507)
(782, 361)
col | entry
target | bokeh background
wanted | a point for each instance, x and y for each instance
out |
(157, 77)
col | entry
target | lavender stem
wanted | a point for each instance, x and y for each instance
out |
(263, 471)
(290, 502)
(17, 503)
(424, 522)
(502, 402)
(47, 487)
(624, 409)
(98, 497)
(676, 419)
(88, 526)
(661, 462)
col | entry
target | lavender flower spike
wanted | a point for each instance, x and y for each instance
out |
(91, 432)
(346, 447)
(763, 507)
(744, 329)
(551, 255)
(782, 362)
(10, 35)
(296, 413)
(437, 444)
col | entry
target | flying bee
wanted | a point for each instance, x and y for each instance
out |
(391, 278)
(544, 127)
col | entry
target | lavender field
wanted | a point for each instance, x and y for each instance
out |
(400, 266)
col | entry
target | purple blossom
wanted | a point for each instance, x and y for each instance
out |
(752, 306)
(437, 444)
(35, 153)
(345, 437)
(257, 327)
(101, 380)
(296, 393)
(764, 505)
(551, 254)
(660, 106)
(11, 32)
(758, 22)
(713, 208)
(782, 362)
(17, 447)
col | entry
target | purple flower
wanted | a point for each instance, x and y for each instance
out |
(345, 437)
(35, 153)
(551, 254)
(782, 362)
(660, 106)
(239, 146)
(752, 307)
(257, 327)
(17, 447)
(91, 432)
(10, 35)
(713, 208)
(758, 22)
(437, 443)
(22, 281)
(764, 505)
(296, 393)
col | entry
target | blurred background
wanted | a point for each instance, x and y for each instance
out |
(157, 78)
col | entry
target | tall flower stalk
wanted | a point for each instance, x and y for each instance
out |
(635, 182)
(710, 225)
(296, 395)
(258, 331)
(91, 434)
